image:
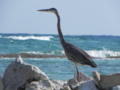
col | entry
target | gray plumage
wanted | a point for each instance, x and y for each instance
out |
(77, 55)
(74, 54)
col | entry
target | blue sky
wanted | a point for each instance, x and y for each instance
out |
(79, 17)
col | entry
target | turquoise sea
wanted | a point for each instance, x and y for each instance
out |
(101, 47)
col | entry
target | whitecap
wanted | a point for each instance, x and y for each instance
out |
(33, 52)
(103, 53)
(56, 52)
(47, 38)
(92, 53)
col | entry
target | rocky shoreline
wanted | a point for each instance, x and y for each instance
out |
(30, 55)
(22, 76)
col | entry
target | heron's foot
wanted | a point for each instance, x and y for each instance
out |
(73, 83)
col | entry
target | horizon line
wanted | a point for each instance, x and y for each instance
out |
(64, 34)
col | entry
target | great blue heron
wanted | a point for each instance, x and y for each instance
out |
(74, 54)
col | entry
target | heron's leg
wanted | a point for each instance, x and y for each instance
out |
(77, 73)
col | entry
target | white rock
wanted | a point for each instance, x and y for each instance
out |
(87, 85)
(66, 87)
(1, 84)
(40, 85)
(18, 74)
(46, 85)
(116, 88)
(19, 59)
(58, 84)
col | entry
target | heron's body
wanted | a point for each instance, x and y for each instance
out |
(77, 55)
(74, 54)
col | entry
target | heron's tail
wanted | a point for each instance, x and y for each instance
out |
(94, 65)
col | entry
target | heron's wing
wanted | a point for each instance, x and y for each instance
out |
(78, 54)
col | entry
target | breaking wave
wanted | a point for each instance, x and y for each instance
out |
(47, 38)
(98, 54)
(104, 53)
(93, 53)
(57, 52)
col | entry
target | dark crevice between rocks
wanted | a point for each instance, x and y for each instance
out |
(21, 88)
(27, 82)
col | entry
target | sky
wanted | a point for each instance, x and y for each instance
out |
(78, 17)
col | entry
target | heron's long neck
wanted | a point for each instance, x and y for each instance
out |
(59, 28)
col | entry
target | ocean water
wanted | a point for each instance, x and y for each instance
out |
(100, 47)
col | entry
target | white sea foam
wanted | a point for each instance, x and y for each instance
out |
(100, 53)
(93, 53)
(33, 52)
(60, 52)
(47, 38)
(103, 53)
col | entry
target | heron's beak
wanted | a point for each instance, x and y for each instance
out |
(43, 10)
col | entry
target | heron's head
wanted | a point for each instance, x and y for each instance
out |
(51, 10)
